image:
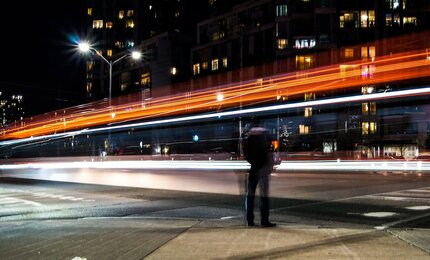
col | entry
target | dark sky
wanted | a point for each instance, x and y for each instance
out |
(39, 59)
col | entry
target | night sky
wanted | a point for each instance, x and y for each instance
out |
(39, 60)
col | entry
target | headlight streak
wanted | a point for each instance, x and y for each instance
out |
(357, 98)
(285, 166)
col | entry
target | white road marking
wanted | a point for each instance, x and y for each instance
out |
(10, 200)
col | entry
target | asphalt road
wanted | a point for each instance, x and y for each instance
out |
(199, 213)
(379, 200)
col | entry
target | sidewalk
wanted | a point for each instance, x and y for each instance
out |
(155, 238)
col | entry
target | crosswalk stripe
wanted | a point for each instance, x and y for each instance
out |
(9, 200)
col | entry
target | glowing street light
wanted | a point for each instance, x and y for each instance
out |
(86, 47)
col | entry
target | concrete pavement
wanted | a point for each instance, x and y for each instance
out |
(158, 238)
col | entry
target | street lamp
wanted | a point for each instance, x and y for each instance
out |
(86, 47)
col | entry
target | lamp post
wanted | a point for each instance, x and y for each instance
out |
(85, 47)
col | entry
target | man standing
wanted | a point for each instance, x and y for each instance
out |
(257, 151)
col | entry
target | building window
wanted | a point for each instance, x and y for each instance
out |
(215, 64)
(129, 23)
(119, 44)
(368, 128)
(367, 90)
(304, 43)
(308, 111)
(109, 52)
(90, 11)
(109, 25)
(218, 35)
(410, 21)
(304, 129)
(349, 20)
(310, 96)
(97, 24)
(145, 79)
(349, 54)
(205, 65)
(365, 108)
(392, 4)
(224, 62)
(392, 20)
(304, 62)
(173, 71)
(130, 13)
(121, 14)
(89, 87)
(196, 69)
(129, 44)
(367, 18)
(281, 10)
(282, 44)
(368, 52)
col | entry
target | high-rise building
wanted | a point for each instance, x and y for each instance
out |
(190, 44)
(11, 109)
(163, 30)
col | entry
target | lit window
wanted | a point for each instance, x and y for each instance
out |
(97, 24)
(215, 64)
(281, 10)
(310, 96)
(304, 129)
(372, 108)
(365, 108)
(304, 43)
(205, 65)
(282, 44)
(308, 111)
(367, 90)
(411, 20)
(224, 62)
(89, 87)
(109, 52)
(393, 4)
(90, 11)
(349, 20)
(121, 14)
(196, 69)
(367, 18)
(173, 71)
(368, 52)
(349, 53)
(129, 23)
(368, 128)
(109, 25)
(145, 79)
(129, 44)
(130, 13)
(304, 62)
(119, 44)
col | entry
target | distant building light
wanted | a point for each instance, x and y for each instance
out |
(173, 71)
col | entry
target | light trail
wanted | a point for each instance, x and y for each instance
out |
(357, 98)
(386, 69)
(285, 166)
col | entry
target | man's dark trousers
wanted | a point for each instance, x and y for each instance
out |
(258, 176)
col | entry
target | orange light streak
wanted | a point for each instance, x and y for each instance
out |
(386, 69)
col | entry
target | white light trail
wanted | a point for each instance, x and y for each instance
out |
(286, 166)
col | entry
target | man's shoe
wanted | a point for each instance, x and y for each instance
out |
(251, 223)
(268, 224)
